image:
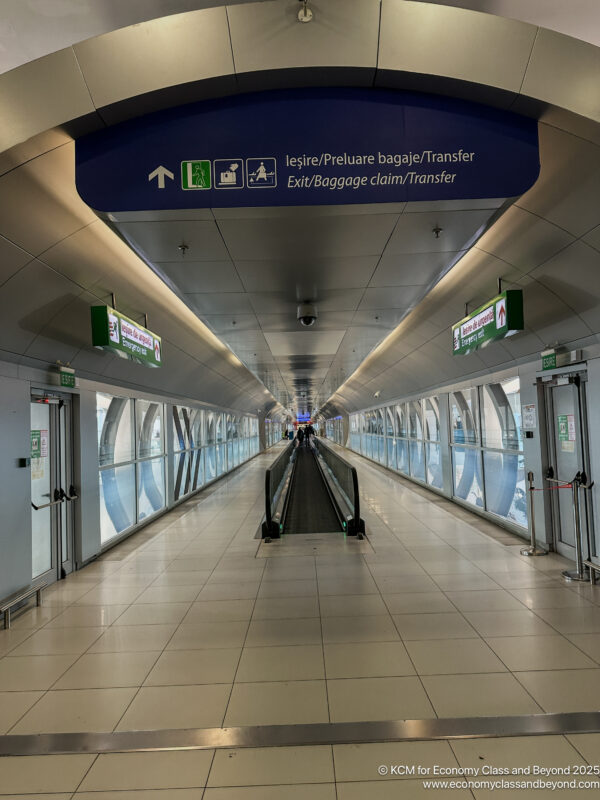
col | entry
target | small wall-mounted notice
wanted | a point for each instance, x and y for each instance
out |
(566, 432)
(500, 317)
(120, 335)
(529, 417)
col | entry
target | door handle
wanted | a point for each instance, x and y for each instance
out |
(46, 505)
(72, 494)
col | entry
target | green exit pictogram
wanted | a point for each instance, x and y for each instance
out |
(195, 175)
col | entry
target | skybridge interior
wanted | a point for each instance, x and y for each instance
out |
(176, 652)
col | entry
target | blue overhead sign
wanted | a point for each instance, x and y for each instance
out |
(308, 147)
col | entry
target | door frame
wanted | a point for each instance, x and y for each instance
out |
(60, 428)
(578, 379)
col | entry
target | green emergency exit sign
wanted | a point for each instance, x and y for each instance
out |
(500, 317)
(118, 334)
(195, 175)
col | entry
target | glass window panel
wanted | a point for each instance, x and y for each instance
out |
(402, 455)
(463, 416)
(391, 453)
(417, 460)
(389, 422)
(505, 491)
(197, 469)
(466, 465)
(219, 428)
(221, 455)
(117, 500)
(180, 474)
(415, 412)
(502, 415)
(434, 465)
(179, 433)
(432, 418)
(197, 427)
(210, 427)
(401, 421)
(210, 462)
(115, 429)
(151, 487)
(149, 429)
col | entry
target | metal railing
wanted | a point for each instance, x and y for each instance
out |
(346, 480)
(275, 478)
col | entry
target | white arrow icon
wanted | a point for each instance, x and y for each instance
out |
(160, 173)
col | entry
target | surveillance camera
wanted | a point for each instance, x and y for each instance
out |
(307, 314)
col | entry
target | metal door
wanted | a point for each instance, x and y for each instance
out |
(52, 490)
(567, 429)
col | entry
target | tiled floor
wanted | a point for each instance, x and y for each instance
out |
(190, 623)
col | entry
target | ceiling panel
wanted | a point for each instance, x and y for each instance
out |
(301, 343)
(326, 255)
(220, 303)
(410, 269)
(278, 302)
(160, 240)
(306, 275)
(222, 324)
(288, 322)
(202, 276)
(399, 297)
(319, 237)
(414, 233)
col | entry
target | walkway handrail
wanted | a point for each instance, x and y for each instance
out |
(347, 479)
(274, 478)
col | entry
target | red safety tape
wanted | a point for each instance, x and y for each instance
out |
(553, 488)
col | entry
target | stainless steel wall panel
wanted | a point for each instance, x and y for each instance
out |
(12, 258)
(29, 301)
(156, 54)
(42, 190)
(457, 44)
(593, 238)
(268, 36)
(564, 72)
(567, 192)
(574, 276)
(32, 148)
(40, 95)
(523, 239)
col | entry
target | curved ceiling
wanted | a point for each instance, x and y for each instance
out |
(58, 255)
(30, 29)
(578, 18)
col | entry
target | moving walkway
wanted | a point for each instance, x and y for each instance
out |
(311, 489)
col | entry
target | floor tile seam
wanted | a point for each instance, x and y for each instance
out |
(414, 666)
(45, 691)
(315, 558)
(228, 703)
